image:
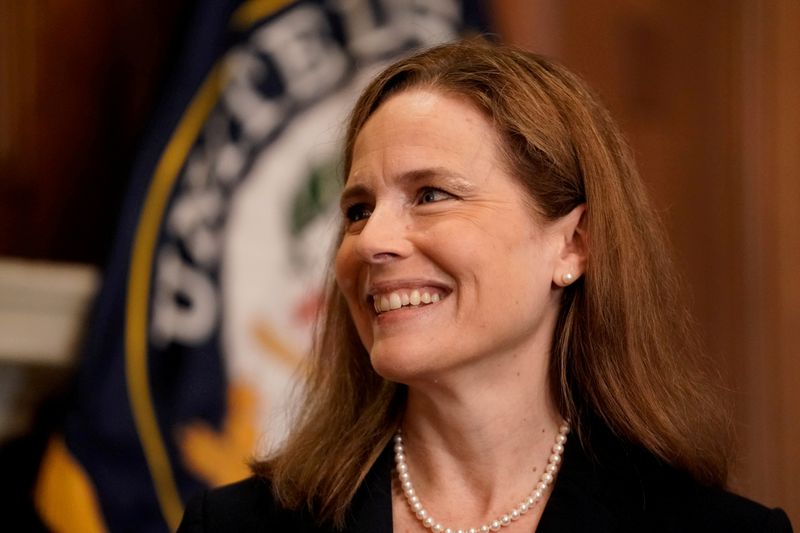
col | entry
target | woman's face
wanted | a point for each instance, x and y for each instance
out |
(442, 263)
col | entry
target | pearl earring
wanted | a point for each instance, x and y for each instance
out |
(567, 278)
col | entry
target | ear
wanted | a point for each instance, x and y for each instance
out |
(573, 242)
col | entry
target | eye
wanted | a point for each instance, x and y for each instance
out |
(357, 212)
(428, 195)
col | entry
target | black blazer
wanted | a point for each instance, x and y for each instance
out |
(612, 488)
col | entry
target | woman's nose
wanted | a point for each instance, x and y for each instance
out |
(384, 237)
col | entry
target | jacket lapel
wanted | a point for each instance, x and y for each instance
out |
(371, 510)
(599, 491)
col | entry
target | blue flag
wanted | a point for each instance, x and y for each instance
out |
(216, 272)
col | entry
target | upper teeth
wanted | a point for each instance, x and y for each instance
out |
(398, 299)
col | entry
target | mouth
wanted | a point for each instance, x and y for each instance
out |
(384, 302)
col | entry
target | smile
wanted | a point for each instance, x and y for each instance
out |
(404, 298)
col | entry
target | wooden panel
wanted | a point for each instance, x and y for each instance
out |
(17, 92)
(532, 24)
(78, 81)
(770, 141)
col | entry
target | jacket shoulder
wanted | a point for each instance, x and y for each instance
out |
(613, 486)
(678, 502)
(246, 505)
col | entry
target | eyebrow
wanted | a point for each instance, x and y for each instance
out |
(455, 182)
(351, 192)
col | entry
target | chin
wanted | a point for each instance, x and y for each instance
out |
(397, 365)
(408, 365)
(387, 367)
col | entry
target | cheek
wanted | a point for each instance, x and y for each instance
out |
(515, 271)
(344, 268)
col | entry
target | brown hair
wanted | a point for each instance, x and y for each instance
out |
(623, 352)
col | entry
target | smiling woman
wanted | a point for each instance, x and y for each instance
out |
(500, 281)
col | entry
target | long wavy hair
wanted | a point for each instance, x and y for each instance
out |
(624, 351)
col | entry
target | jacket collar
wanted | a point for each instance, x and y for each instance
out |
(598, 489)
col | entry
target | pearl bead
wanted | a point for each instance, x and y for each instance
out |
(515, 515)
(403, 476)
(485, 529)
(561, 439)
(558, 448)
(547, 477)
(407, 485)
(438, 528)
(551, 468)
(416, 507)
(495, 525)
(422, 514)
(410, 493)
(428, 522)
(448, 530)
(505, 520)
(523, 507)
(537, 495)
(472, 530)
(541, 486)
(554, 459)
(413, 499)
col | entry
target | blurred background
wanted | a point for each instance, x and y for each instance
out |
(708, 93)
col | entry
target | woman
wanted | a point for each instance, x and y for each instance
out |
(501, 285)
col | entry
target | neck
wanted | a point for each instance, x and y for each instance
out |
(493, 473)
(484, 442)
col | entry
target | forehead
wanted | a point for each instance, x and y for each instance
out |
(424, 127)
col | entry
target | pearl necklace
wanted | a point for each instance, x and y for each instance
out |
(507, 519)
